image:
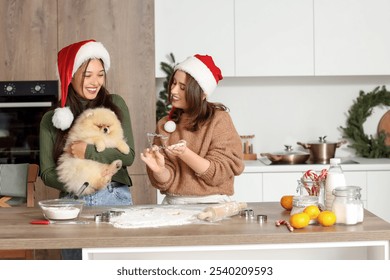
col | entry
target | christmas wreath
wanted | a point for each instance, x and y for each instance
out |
(367, 146)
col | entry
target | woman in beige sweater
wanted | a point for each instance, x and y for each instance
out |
(197, 151)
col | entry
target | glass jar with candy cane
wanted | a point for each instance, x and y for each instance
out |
(313, 184)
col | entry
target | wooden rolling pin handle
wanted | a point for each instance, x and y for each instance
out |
(205, 215)
(221, 211)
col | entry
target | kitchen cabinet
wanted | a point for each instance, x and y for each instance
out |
(185, 28)
(378, 193)
(247, 188)
(351, 37)
(275, 185)
(277, 37)
(271, 40)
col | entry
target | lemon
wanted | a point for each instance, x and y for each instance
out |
(326, 218)
(300, 220)
(313, 211)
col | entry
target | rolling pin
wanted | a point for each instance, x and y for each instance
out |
(221, 211)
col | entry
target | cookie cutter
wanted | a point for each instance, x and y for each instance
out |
(262, 218)
(247, 213)
(152, 136)
(107, 215)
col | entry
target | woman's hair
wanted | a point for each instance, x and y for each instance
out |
(77, 105)
(199, 109)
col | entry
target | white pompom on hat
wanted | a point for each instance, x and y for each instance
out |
(70, 58)
(203, 69)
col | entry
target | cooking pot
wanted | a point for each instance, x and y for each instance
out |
(322, 151)
(288, 156)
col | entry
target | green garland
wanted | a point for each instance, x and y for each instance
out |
(367, 146)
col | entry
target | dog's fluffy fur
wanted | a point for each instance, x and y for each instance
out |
(99, 127)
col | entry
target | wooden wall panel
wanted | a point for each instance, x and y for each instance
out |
(142, 191)
(28, 39)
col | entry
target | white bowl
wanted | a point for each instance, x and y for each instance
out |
(61, 209)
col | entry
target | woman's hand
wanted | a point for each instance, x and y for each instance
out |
(177, 149)
(154, 159)
(77, 149)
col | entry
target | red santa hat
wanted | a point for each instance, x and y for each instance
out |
(203, 69)
(70, 58)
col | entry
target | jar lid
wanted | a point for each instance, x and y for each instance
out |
(347, 191)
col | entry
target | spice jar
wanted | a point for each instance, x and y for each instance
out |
(300, 202)
(347, 206)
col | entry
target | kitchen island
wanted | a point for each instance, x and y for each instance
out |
(234, 238)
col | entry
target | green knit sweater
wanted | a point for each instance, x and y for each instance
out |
(47, 136)
(216, 141)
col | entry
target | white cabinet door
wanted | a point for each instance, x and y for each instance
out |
(274, 37)
(359, 179)
(352, 37)
(378, 193)
(185, 28)
(248, 187)
(275, 185)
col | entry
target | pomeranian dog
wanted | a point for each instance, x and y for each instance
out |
(99, 127)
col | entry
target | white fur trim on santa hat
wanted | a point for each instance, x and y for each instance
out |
(91, 50)
(200, 72)
(62, 118)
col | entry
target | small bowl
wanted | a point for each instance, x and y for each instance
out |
(61, 209)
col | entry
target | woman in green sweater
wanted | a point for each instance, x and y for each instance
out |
(201, 151)
(82, 69)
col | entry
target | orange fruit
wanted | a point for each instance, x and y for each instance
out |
(287, 202)
(326, 218)
(299, 220)
(313, 211)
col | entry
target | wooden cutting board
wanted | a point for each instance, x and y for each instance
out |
(384, 126)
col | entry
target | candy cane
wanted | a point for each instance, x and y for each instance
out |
(284, 222)
(324, 173)
(310, 174)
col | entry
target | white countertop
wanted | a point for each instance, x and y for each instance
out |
(361, 164)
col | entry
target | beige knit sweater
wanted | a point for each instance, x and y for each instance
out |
(218, 142)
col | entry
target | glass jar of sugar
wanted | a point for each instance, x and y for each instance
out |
(347, 206)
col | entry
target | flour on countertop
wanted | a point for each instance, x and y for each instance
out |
(156, 217)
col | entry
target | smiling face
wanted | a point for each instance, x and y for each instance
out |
(89, 78)
(178, 90)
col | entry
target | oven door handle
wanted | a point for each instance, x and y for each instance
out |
(25, 104)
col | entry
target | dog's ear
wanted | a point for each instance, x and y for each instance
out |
(89, 114)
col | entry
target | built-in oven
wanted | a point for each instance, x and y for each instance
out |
(22, 105)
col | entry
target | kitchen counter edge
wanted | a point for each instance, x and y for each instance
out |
(351, 164)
